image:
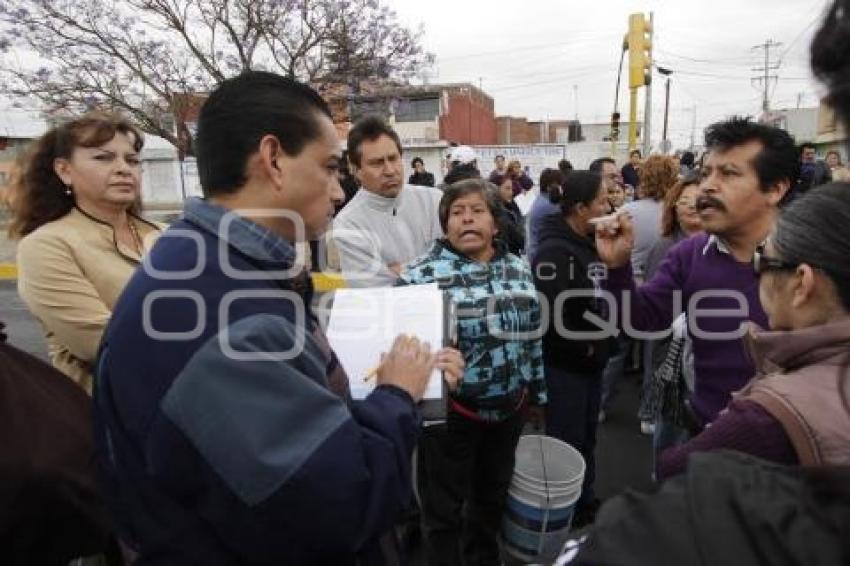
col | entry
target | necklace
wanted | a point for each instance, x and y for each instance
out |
(134, 233)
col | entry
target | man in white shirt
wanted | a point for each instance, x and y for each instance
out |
(387, 223)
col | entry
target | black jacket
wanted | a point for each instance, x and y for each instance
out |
(630, 175)
(51, 509)
(511, 232)
(425, 179)
(561, 264)
(727, 509)
(813, 176)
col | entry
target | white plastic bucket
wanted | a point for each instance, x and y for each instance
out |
(541, 498)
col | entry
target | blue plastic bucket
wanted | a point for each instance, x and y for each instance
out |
(541, 498)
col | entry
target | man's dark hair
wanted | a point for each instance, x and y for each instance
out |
(829, 59)
(806, 233)
(550, 177)
(687, 159)
(243, 109)
(596, 164)
(415, 161)
(777, 161)
(462, 172)
(806, 145)
(498, 156)
(635, 152)
(565, 167)
(580, 187)
(369, 128)
(466, 187)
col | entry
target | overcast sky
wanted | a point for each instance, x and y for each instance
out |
(529, 54)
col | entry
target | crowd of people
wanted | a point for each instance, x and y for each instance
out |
(223, 427)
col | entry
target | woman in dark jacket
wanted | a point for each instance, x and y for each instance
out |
(420, 176)
(508, 217)
(575, 349)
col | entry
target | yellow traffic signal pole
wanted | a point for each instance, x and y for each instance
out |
(615, 115)
(614, 144)
(640, 66)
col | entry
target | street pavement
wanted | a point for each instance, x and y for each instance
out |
(23, 330)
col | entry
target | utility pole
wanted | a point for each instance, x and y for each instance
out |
(693, 126)
(765, 78)
(647, 109)
(575, 100)
(664, 141)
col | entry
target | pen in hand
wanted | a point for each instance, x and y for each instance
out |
(372, 373)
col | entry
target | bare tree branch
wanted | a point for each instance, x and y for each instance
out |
(149, 57)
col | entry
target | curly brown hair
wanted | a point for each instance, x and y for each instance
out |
(514, 169)
(657, 175)
(669, 216)
(37, 194)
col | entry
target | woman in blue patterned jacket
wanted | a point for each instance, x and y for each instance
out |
(465, 465)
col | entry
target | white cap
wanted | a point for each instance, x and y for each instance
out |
(463, 154)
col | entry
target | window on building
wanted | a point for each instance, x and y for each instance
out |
(417, 110)
(361, 108)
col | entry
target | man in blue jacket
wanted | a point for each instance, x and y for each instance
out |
(223, 423)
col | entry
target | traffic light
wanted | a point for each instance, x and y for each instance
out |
(640, 51)
(615, 126)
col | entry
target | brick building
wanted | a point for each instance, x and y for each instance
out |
(518, 130)
(460, 113)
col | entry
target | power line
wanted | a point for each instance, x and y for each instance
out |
(707, 75)
(732, 61)
(510, 80)
(799, 36)
(563, 79)
(574, 42)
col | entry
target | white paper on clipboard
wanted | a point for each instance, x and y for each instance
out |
(364, 323)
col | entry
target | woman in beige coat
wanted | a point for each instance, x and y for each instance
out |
(796, 410)
(76, 205)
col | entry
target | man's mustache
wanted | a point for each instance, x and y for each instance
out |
(705, 201)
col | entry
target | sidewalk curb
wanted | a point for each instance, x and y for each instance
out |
(322, 282)
(8, 271)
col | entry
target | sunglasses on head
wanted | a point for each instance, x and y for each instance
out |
(763, 263)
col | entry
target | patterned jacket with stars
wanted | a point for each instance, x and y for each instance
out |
(498, 314)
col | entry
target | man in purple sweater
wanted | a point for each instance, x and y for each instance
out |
(748, 170)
